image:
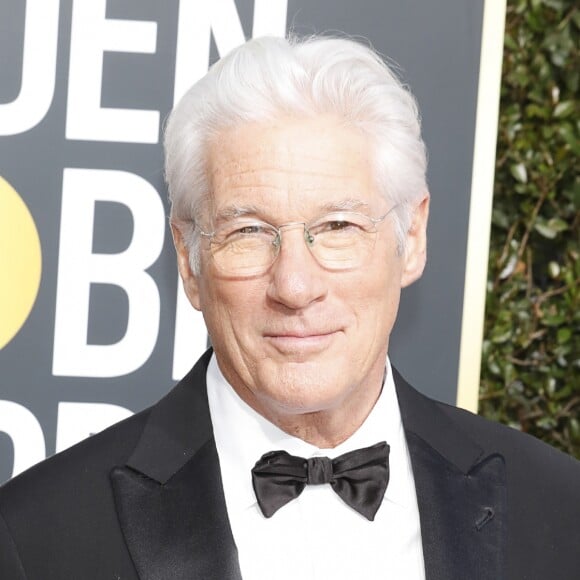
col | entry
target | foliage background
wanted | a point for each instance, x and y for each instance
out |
(530, 375)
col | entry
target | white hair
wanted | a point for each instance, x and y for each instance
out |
(269, 77)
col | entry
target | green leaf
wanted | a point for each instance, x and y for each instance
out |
(573, 78)
(575, 427)
(519, 172)
(510, 43)
(551, 384)
(553, 320)
(564, 109)
(538, 112)
(509, 268)
(553, 269)
(545, 230)
(564, 335)
(576, 200)
(557, 224)
(558, 58)
(557, 5)
(494, 368)
(567, 132)
(546, 423)
(501, 336)
(500, 219)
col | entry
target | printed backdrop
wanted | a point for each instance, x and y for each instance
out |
(92, 324)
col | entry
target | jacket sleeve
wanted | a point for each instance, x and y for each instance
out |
(10, 565)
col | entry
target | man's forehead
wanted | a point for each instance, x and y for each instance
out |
(257, 163)
(294, 169)
(242, 149)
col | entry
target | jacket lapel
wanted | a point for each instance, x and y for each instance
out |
(169, 496)
(461, 493)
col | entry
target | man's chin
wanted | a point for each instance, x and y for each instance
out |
(306, 387)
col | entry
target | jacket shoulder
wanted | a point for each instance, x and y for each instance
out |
(543, 495)
(517, 447)
(74, 479)
(61, 512)
(97, 453)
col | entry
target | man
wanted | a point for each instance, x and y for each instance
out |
(296, 173)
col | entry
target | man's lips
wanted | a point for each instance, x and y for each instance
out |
(293, 341)
(300, 333)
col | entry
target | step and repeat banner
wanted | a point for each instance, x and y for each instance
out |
(93, 324)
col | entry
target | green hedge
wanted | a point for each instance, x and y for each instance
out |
(531, 353)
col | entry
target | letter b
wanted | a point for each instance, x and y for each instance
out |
(78, 267)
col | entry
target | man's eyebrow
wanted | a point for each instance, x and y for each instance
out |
(348, 204)
(231, 212)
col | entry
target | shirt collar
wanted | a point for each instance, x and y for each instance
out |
(242, 436)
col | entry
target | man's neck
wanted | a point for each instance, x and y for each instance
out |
(325, 428)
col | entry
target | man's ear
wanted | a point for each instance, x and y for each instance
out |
(416, 244)
(189, 279)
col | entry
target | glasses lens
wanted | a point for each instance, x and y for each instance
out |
(244, 248)
(343, 240)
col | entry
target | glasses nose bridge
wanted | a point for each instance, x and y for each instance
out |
(291, 225)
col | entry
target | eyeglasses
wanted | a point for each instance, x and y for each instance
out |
(340, 240)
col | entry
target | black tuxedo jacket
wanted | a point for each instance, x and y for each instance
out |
(144, 500)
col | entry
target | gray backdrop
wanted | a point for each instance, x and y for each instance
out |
(436, 44)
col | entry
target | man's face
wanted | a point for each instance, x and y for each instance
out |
(298, 338)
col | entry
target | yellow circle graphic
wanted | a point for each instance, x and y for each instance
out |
(20, 262)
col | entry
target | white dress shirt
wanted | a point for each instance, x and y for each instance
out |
(316, 536)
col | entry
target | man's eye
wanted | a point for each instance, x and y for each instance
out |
(337, 226)
(249, 230)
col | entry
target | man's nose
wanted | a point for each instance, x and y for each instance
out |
(297, 279)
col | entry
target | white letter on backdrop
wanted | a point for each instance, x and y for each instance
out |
(26, 434)
(38, 69)
(198, 19)
(77, 421)
(78, 267)
(91, 35)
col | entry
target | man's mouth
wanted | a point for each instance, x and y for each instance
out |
(304, 341)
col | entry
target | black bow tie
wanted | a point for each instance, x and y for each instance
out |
(359, 477)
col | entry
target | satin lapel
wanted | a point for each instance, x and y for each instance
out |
(461, 493)
(179, 530)
(169, 496)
